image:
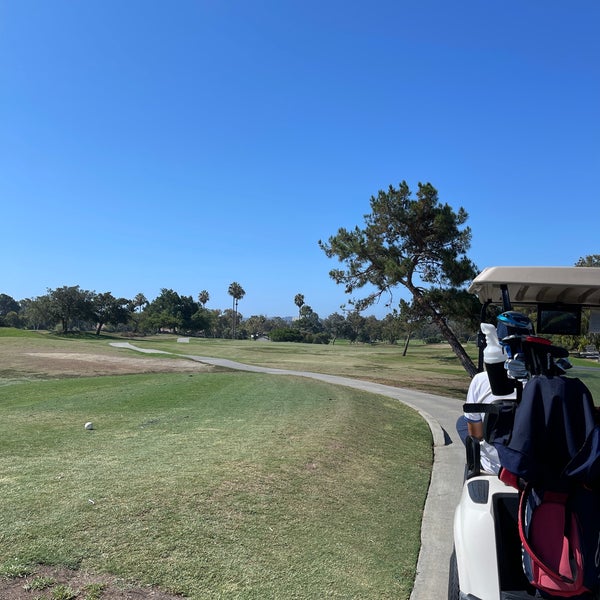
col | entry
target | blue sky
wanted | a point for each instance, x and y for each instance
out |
(189, 144)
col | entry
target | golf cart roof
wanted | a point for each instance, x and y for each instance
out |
(539, 285)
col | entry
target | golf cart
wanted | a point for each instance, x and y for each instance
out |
(487, 559)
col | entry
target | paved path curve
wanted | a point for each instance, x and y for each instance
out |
(446, 478)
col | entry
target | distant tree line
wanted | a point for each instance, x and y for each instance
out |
(73, 309)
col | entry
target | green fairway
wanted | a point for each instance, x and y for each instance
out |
(215, 485)
(426, 367)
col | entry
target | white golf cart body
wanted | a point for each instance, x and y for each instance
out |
(486, 562)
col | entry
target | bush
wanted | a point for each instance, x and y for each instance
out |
(286, 334)
(321, 338)
(289, 334)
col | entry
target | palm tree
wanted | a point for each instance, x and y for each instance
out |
(203, 298)
(236, 291)
(299, 302)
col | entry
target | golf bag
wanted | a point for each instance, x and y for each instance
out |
(553, 457)
(557, 532)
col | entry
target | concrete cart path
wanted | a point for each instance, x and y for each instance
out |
(447, 475)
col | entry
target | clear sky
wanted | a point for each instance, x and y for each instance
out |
(188, 144)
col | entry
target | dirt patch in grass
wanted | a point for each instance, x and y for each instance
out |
(40, 365)
(80, 364)
(48, 583)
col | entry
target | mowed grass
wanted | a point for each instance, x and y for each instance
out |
(431, 368)
(219, 485)
(428, 367)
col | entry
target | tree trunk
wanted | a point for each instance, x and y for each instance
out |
(406, 344)
(457, 348)
(234, 320)
(440, 321)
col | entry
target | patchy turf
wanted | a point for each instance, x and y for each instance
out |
(61, 583)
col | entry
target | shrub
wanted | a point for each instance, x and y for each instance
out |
(321, 338)
(289, 334)
(286, 334)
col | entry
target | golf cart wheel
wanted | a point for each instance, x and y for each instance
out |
(453, 583)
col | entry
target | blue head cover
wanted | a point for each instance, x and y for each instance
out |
(513, 323)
